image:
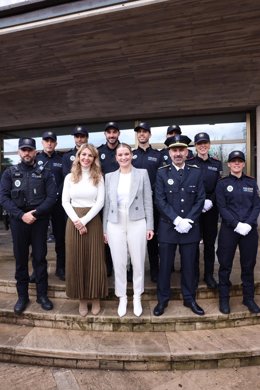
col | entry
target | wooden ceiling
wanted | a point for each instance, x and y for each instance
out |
(145, 59)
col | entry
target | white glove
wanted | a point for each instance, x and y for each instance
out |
(207, 205)
(242, 228)
(184, 225)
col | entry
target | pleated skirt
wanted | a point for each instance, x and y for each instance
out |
(86, 275)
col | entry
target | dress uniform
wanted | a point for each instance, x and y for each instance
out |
(28, 193)
(69, 157)
(211, 169)
(149, 159)
(53, 162)
(239, 206)
(179, 195)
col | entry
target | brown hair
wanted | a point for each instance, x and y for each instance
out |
(123, 145)
(95, 169)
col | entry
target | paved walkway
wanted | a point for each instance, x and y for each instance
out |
(21, 377)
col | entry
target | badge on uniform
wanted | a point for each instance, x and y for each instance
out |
(135, 156)
(17, 183)
(230, 188)
(165, 157)
(103, 156)
(72, 158)
(40, 162)
(170, 181)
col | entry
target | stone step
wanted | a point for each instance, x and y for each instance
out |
(176, 317)
(56, 289)
(200, 349)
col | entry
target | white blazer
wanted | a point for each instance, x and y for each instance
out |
(140, 198)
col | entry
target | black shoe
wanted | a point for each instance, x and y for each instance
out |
(194, 307)
(129, 275)
(60, 273)
(154, 276)
(159, 309)
(252, 306)
(224, 306)
(210, 282)
(45, 303)
(32, 278)
(21, 305)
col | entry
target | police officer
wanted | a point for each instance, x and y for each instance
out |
(239, 206)
(107, 153)
(180, 195)
(148, 158)
(211, 169)
(28, 192)
(171, 131)
(52, 161)
(80, 134)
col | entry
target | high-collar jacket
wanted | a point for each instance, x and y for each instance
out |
(140, 198)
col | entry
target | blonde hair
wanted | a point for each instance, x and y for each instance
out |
(95, 168)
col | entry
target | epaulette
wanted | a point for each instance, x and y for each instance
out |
(193, 166)
(164, 166)
(224, 177)
(250, 177)
(214, 158)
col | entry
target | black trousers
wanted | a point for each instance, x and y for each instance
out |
(152, 245)
(228, 241)
(209, 231)
(58, 219)
(188, 267)
(35, 235)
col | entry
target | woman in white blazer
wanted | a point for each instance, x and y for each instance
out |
(128, 224)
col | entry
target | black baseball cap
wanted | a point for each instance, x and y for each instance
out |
(27, 143)
(174, 128)
(112, 125)
(49, 134)
(201, 137)
(236, 154)
(143, 125)
(80, 130)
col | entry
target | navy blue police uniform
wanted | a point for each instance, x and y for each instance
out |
(70, 156)
(238, 201)
(178, 195)
(58, 219)
(107, 158)
(25, 188)
(210, 170)
(150, 159)
(67, 160)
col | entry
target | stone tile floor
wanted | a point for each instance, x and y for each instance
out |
(23, 377)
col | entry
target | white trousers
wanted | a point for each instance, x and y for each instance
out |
(123, 237)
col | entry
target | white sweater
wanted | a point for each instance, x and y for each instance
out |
(82, 194)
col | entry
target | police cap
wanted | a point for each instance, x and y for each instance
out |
(49, 134)
(177, 140)
(27, 143)
(201, 137)
(174, 129)
(236, 154)
(80, 130)
(112, 125)
(143, 125)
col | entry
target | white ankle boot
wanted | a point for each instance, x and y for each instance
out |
(137, 305)
(121, 311)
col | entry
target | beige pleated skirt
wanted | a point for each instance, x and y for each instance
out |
(86, 275)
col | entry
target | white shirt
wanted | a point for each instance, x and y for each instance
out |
(82, 194)
(123, 189)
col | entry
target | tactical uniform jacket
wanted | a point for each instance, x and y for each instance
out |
(25, 187)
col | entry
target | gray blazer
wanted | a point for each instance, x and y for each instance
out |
(140, 198)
